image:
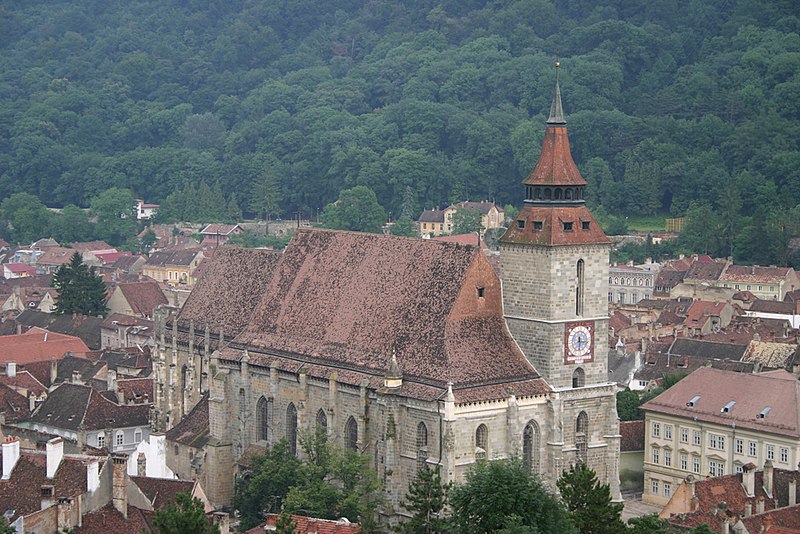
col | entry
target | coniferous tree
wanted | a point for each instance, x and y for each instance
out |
(80, 288)
(186, 514)
(426, 500)
(589, 502)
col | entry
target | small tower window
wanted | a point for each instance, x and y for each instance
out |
(521, 224)
(567, 226)
(578, 378)
(538, 225)
(568, 194)
(558, 193)
(480, 292)
(584, 225)
(547, 193)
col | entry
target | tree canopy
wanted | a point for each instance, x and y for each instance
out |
(186, 514)
(589, 502)
(80, 289)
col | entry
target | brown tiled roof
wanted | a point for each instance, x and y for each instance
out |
(119, 319)
(24, 380)
(619, 321)
(53, 256)
(161, 491)
(219, 229)
(108, 519)
(432, 216)
(193, 429)
(229, 290)
(90, 246)
(754, 274)
(774, 355)
(553, 232)
(136, 390)
(753, 393)
(632, 433)
(699, 312)
(38, 345)
(703, 270)
(555, 165)
(773, 306)
(164, 258)
(126, 263)
(71, 406)
(83, 326)
(333, 291)
(707, 349)
(143, 297)
(310, 525)
(14, 405)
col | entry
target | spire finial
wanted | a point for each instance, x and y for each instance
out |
(556, 111)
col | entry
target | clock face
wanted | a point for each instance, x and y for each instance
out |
(578, 342)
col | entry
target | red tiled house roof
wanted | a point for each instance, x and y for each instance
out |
(310, 525)
(143, 297)
(72, 406)
(38, 345)
(333, 291)
(14, 404)
(754, 274)
(24, 381)
(136, 390)
(108, 520)
(193, 430)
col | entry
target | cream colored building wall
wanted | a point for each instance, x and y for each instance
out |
(673, 474)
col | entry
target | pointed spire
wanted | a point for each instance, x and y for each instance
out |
(556, 111)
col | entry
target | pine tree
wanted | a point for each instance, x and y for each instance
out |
(264, 201)
(80, 288)
(589, 502)
(426, 499)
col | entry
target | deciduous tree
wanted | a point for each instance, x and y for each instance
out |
(357, 209)
(589, 502)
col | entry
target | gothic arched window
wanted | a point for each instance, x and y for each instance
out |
(262, 419)
(578, 378)
(557, 195)
(291, 427)
(582, 436)
(568, 194)
(422, 446)
(579, 288)
(322, 424)
(531, 441)
(351, 434)
(481, 442)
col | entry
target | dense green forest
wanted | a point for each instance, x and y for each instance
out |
(673, 106)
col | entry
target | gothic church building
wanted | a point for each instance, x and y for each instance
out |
(412, 352)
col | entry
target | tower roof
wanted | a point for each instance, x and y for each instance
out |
(556, 110)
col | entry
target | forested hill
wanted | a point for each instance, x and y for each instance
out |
(667, 101)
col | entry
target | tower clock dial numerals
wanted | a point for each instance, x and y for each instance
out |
(579, 342)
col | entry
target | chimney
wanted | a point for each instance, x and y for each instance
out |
(119, 489)
(792, 492)
(76, 377)
(64, 514)
(760, 505)
(10, 456)
(111, 381)
(55, 453)
(11, 369)
(92, 476)
(768, 478)
(748, 509)
(749, 479)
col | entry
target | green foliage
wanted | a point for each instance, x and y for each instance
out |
(628, 405)
(404, 227)
(266, 487)
(186, 514)
(265, 197)
(667, 381)
(426, 501)
(589, 502)
(80, 289)
(649, 524)
(203, 204)
(285, 524)
(466, 221)
(72, 225)
(357, 209)
(5, 529)
(116, 215)
(24, 218)
(504, 494)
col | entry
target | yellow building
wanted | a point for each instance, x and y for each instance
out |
(173, 266)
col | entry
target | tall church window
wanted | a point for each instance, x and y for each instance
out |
(481, 442)
(262, 419)
(351, 434)
(582, 437)
(422, 446)
(322, 424)
(579, 288)
(184, 378)
(291, 427)
(578, 378)
(530, 446)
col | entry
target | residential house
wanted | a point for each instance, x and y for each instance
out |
(219, 234)
(25, 384)
(44, 243)
(308, 525)
(128, 264)
(715, 422)
(761, 501)
(136, 299)
(628, 283)
(704, 317)
(85, 327)
(106, 259)
(37, 345)
(492, 216)
(173, 266)
(786, 310)
(41, 299)
(52, 258)
(82, 413)
(186, 444)
(18, 270)
(16, 405)
(121, 331)
(768, 283)
(25, 255)
(145, 211)
(431, 223)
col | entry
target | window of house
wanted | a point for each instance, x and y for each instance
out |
(655, 456)
(784, 457)
(739, 469)
(481, 441)
(736, 286)
(521, 224)
(668, 431)
(424, 226)
(101, 441)
(684, 435)
(684, 462)
(584, 225)
(715, 468)
(567, 226)
(716, 442)
(697, 437)
(752, 448)
(480, 292)
(761, 288)
(695, 464)
(772, 288)
(538, 225)
(656, 430)
(654, 487)
(667, 489)
(770, 452)
(668, 458)
(739, 446)
(748, 287)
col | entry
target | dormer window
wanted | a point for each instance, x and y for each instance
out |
(585, 225)
(538, 225)
(521, 224)
(694, 401)
(567, 226)
(728, 407)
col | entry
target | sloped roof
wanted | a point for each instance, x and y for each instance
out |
(108, 519)
(193, 430)
(432, 216)
(37, 345)
(85, 327)
(707, 349)
(753, 393)
(24, 380)
(55, 256)
(773, 306)
(700, 310)
(704, 270)
(14, 405)
(163, 258)
(69, 406)
(776, 355)
(483, 206)
(161, 491)
(333, 291)
(219, 229)
(553, 232)
(143, 297)
(555, 165)
(111, 257)
(755, 274)
(229, 290)
(20, 268)
(310, 525)
(136, 390)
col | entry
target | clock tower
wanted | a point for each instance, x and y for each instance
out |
(554, 260)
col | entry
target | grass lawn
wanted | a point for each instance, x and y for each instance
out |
(656, 223)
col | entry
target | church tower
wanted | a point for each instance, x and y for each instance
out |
(555, 269)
